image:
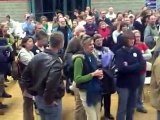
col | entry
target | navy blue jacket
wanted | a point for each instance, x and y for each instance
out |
(129, 76)
(90, 29)
(4, 56)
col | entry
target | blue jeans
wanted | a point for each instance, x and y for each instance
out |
(126, 103)
(139, 102)
(48, 112)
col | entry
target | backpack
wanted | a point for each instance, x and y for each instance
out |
(68, 66)
(109, 81)
(17, 68)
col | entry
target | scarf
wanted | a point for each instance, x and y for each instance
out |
(93, 90)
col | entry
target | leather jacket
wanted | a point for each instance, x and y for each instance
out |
(43, 76)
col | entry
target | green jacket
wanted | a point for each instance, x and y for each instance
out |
(78, 70)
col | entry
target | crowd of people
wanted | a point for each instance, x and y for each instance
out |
(97, 53)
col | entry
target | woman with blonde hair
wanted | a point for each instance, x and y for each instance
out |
(88, 77)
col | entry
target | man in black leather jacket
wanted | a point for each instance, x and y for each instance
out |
(42, 78)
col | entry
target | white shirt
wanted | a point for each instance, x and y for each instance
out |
(110, 16)
(115, 34)
(82, 23)
(25, 56)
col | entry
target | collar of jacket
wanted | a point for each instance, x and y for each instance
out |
(50, 52)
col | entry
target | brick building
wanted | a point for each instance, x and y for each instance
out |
(17, 8)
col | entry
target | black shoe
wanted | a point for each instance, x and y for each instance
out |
(3, 106)
(110, 117)
(68, 91)
(6, 95)
(142, 110)
(72, 93)
(5, 85)
(6, 80)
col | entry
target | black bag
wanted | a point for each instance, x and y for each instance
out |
(109, 80)
(17, 69)
(68, 66)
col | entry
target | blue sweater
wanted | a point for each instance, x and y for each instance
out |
(129, 76)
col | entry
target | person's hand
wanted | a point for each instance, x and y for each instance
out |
(100, 78)
(54, 103)
(97, 73)
(125, 63)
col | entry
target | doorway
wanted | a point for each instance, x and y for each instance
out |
(49, 7)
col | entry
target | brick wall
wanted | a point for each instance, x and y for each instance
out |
(119, 5)
(15, 8)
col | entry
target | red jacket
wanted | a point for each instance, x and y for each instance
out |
(105, 33)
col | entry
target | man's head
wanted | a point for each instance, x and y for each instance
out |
(41, 38)
(88, 8)
(43, 19)
(29, 19)
(152, 20)
(89, 19)
(119, 16)
(131, 18)
(74, 23)
(123, 27)
(127, 20)
(76, 12)
(56, 41)
(8, 17)
(62, 22)
(79, 30)
(103, 14)
(38, 27)
(110, 10)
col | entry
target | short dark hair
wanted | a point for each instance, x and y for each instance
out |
(40, 35)
(122, 24)
(96, 36)
(24, 40)
(126, 36)
(56, 39)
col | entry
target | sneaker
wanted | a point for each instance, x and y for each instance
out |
(142, 110)
(6, 80)
(6, 95)
(72, 88)
(37, 111)
(5, 85)
(3, 106)
(110, 117)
